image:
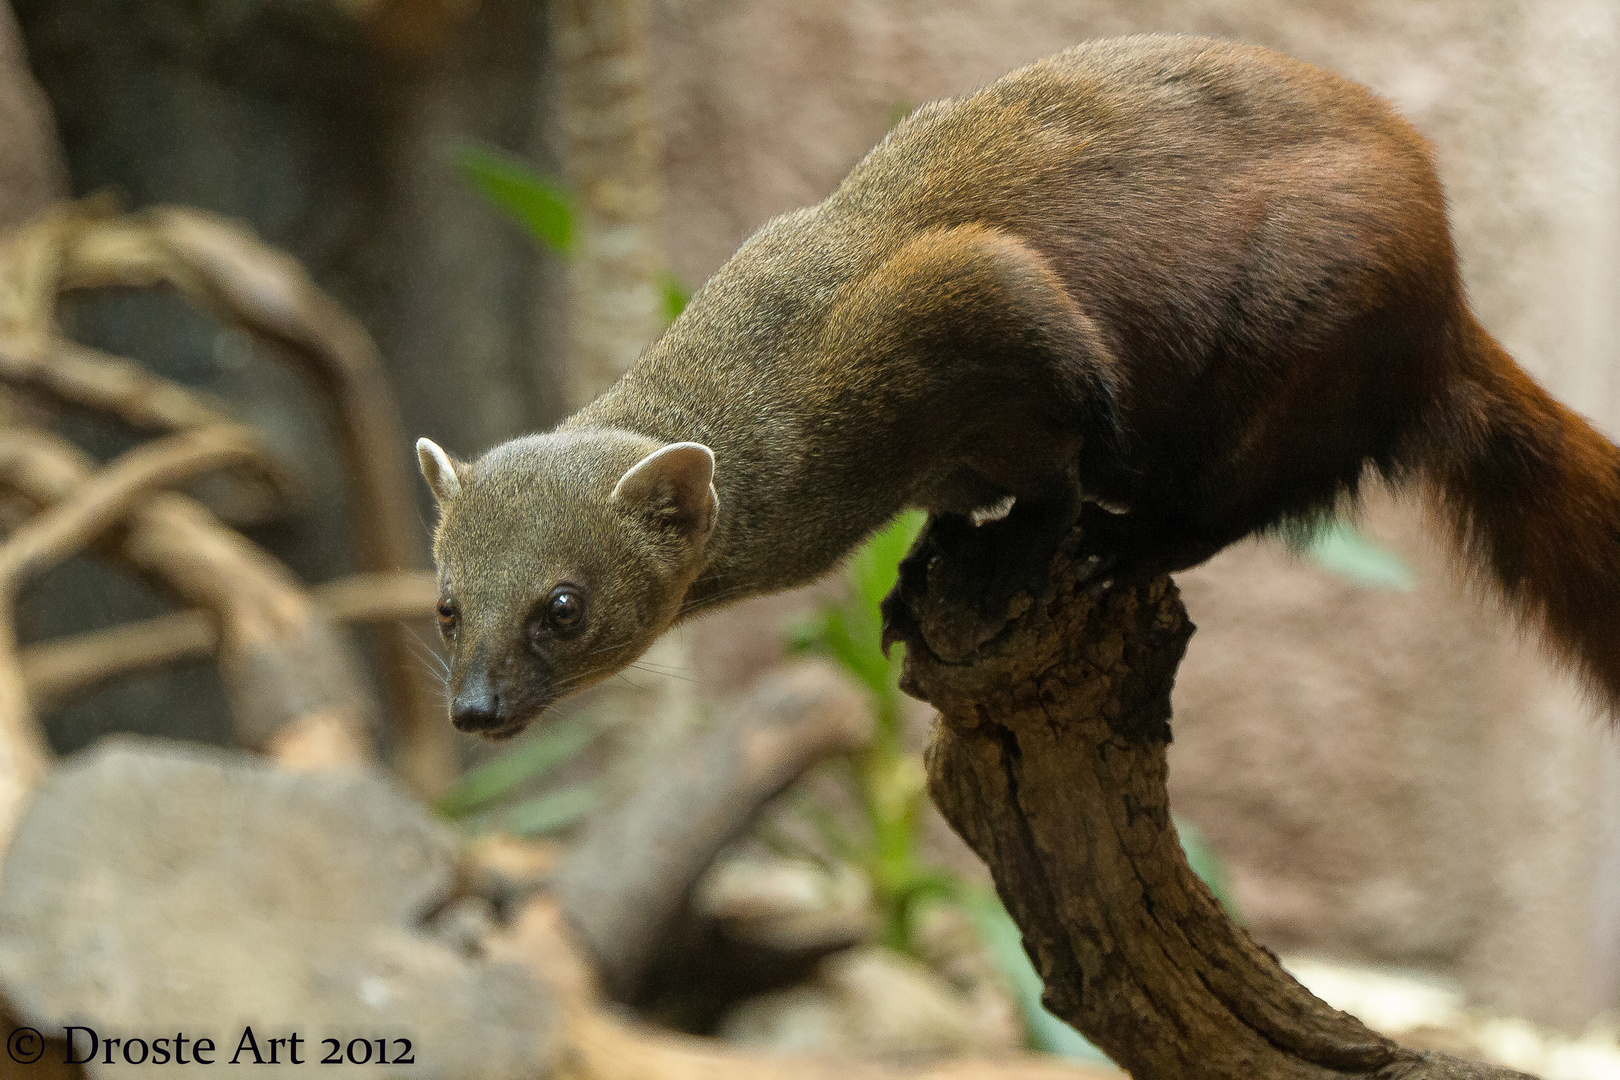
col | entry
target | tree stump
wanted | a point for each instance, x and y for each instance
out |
(1048, 756)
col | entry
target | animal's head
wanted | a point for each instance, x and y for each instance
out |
(561, 558)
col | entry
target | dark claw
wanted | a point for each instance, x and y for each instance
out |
(1098, 573)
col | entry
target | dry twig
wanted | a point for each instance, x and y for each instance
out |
(61, 670)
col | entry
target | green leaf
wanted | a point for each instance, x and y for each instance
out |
(875, 568)
(1338, 546)
(675, 294)
(542, 206)
(532, 757)
(551, 811)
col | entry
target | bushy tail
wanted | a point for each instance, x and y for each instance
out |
(1533, 492)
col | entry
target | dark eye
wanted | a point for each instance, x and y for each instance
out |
(447, 617)
(565, 610)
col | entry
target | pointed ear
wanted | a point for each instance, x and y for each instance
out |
(442, 472)
(674, 481)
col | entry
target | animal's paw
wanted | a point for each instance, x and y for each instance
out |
(942, 534)
(1100, 547)
(965, 582)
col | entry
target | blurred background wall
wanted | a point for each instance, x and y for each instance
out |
(1390, 775)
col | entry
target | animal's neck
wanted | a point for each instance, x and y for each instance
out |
(798, 483)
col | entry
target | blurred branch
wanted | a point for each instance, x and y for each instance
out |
(283, 663)
(111, 494)
(225, 268)
(627, 882)
(610, 160)
(88, 379)
(54, 536)
(61, 670)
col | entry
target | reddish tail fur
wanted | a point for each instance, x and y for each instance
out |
(1534, 494)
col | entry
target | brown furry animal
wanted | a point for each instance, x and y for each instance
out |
(1197, 283)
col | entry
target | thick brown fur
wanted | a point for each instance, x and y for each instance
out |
(1192, 280)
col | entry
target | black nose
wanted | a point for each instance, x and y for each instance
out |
(476, 708)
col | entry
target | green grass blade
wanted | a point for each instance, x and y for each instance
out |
(551, 811)
(675, 294)
(528, 759)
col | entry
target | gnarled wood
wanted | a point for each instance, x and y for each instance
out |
(224, 267)
(1049, 758)
(284, 664)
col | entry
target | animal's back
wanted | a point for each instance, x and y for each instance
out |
(1262, 243)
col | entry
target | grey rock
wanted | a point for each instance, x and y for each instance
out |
(154, 889)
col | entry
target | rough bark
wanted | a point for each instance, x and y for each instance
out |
(1048, 756)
